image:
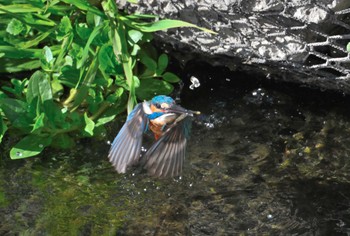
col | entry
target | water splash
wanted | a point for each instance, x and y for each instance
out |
(195, 82)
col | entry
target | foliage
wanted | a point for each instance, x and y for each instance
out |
(87, 63)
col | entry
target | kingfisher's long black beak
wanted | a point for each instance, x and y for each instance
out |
(181, 110)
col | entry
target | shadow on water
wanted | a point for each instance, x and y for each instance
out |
(264, 158)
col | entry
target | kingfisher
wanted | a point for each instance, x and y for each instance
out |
(170, 125)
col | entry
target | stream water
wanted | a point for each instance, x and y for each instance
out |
(264, 158)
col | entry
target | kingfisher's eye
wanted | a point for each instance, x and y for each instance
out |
(158, 106)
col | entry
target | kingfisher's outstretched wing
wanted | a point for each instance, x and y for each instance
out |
(126, 147)
(165, 158)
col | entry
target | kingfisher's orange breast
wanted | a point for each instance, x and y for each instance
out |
(157, 125)
(156, 129)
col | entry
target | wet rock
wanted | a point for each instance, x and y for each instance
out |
(299, 41)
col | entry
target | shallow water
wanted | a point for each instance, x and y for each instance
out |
(263, 159)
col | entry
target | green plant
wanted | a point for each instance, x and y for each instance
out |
(89, 64)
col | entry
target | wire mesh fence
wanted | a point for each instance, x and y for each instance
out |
(295, 40)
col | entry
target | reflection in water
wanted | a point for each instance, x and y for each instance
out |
(262, 159)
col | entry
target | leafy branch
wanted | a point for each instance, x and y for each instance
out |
(89, 63)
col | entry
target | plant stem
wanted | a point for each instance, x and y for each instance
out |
(100, 111)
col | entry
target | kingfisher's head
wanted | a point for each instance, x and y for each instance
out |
(161, 103)
(165, 106)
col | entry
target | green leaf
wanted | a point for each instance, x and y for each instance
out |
(39, 86)
(47, 59)
(116, 107)
(35, 41)
(82, 91)
(108, 62)
(163, 61)
(112, 98)
(55, 114)
(135, 35)
(13, 108)
(69, 76)
(13, 52)
(348, 47)
(63, 141)
(2, 95)
(86, 49)
(3, 129)
(15, 27)
(138, 16)
(19, 8)
(150, 87)
(136, 81)
(17, 65)
(57, 88)
(36, 20)
(170, 77)
(39, 122)
(89, 125)
(47, 53)
(83, 31)
(104, 120)
(100, 132)
(161, 25)
(29, 146)
(148, 62)
(18, 87)
(64, 27)
(83, 5)
(120, 81)
(135, 49)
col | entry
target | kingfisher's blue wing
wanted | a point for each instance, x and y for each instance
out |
(165, 158)
(126, 147)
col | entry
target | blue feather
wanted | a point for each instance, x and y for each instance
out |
(155, 115)
(162, 99)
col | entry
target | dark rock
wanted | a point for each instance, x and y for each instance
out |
(291, 40)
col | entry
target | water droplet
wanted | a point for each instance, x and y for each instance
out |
(108, 142)
(209, 125)
(195, 82)
(145, 189)
(191, 184)
(340, 223)
(19, 154)
(41, 145)
(269, 216)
